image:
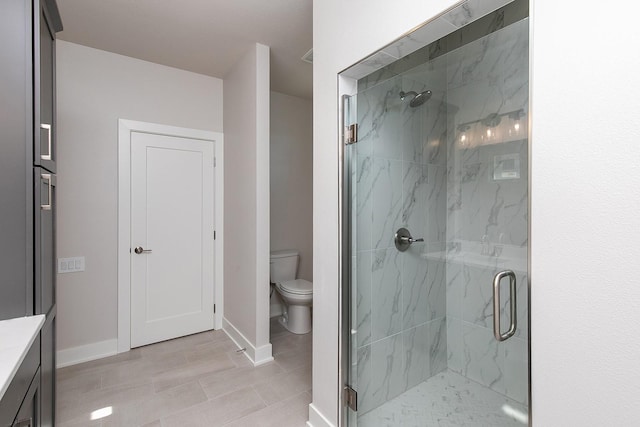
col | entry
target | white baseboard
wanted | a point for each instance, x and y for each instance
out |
(257, 356)
(263, 354)
(316, 419)
(85, 353)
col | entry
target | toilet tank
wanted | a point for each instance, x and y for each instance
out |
(284, 265)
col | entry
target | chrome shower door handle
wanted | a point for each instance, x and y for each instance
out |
(496, 305)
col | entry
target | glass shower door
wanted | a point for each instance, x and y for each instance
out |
(437, 198)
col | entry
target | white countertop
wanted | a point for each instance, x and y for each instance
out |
(16, 337)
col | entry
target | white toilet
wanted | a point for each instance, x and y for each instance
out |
(297, 294)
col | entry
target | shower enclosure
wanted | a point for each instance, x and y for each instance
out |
(435, 230)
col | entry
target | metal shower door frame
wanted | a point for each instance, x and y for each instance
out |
(345, 234)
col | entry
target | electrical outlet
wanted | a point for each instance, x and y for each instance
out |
(70, 265)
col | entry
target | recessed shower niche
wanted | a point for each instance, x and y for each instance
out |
(438, 332)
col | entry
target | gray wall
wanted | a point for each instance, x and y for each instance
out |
(95, 89)
(246, 209)
(291, 172)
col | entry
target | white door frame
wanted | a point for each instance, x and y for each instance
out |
(125, 128)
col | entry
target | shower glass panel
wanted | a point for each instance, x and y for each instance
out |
(442, 152)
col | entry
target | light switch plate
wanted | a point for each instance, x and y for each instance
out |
(70, 265)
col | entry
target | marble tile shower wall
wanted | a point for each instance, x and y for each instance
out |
(486, 214)
(400, 179)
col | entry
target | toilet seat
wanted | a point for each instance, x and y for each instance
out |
(297, 287)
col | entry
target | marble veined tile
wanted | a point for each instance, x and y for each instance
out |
(477, 302)
(387, 201)
(363, 297)
(437, 345)
(415, 195)
(454, 283)
(455, 352)
(380, 372)
(417, 366)
(386, 366)
(436, 285)
(424, 130)
(447, 399)
(387, 122)
(424, 201)
(363, 203)
(490, 74)
(483, 359)
(437, 205)
(415, 288)
(386, 298)
(363, 380)
(472, 10)
(493, 208)
(379, 120)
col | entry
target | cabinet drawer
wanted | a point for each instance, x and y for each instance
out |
(13, 397)
(44, 220)
(29, 413)
(45, 150)
(48, 373)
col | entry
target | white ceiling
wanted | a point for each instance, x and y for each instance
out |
(203, 36)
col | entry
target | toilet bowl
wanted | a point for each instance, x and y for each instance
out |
(296, 294)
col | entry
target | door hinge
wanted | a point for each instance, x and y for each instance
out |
(350, 398)
(351, 134)
(214, 309)
(214, 234)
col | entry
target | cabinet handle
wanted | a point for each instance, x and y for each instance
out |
(47, 206)
(48, 128)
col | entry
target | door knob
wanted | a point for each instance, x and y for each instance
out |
(139, 250)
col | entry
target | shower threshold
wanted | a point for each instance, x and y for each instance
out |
(447, 399)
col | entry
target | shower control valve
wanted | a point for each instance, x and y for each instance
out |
(403, 239)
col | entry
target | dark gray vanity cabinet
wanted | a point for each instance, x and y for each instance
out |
(29, 412)
(16, 148)
(45, 152)
(46, 22)
(21, 401)
(48, 373)
(44, 240)
(28, 156)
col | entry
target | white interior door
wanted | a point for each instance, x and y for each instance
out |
(172, 222)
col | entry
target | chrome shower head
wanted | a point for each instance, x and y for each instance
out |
(418, 98)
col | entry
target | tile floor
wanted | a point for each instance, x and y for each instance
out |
(447, 399)
(198, 381)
